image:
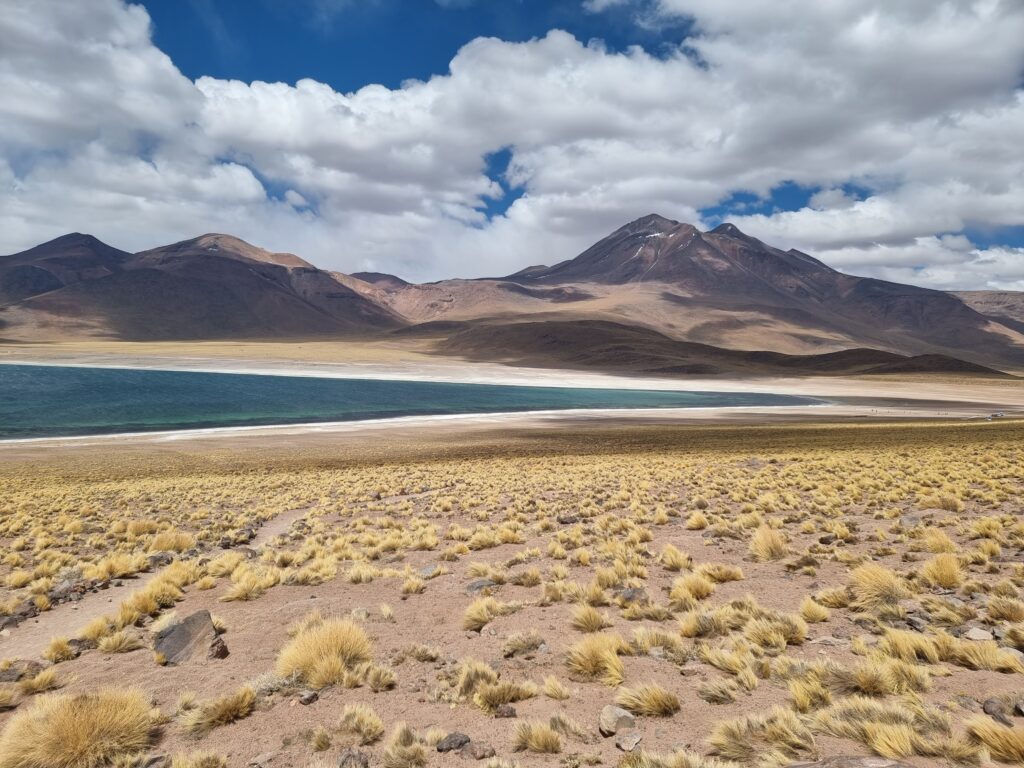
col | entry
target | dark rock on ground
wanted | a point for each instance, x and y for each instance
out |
(452, 742)
(188, 639)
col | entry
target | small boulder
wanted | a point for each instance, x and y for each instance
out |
(353, 758)
(478, 750)
(308, 697)
(188, 639)
(479, 585)
(977, 633)
(452, 741)
(218, 649)
(996, 709)
(505, 710)
(627, 741)
(615, 719)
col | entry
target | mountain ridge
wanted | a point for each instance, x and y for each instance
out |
(721, 288)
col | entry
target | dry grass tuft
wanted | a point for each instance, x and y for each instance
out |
(361, 720)
(650, 699)
(83, 731)
(404, 750)
(1005, 744)
(323, 653)
(227, 709)
(944, 571)
(875, 586)
(767, 544)
(586, 618)
(596, 657)
(537, 737)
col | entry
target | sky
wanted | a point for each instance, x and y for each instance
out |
(464, 138)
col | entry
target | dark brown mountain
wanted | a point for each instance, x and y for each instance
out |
(211, 287)
(607, 346)
(720, 290)
(726, 269)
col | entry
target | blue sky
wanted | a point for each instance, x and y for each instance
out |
(349, 44)
(440, 138)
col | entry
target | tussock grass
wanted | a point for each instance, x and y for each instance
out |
(83, 731)
(207, 715)
(362, 721)
(484, 610)
(778, 736)
(1004, 744)
(404, 749)
(812, 611)
(650, 699)
(472, 674)
(944, 571)
(322, 654)
(874, 586)
(490, 696)
(555, 689)
(537, 737)
(198, 760)
(586, 618)
(596, 657)
(767, 544)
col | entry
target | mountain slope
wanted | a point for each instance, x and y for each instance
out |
(605, 346)
(1006, 307)
(214, 286)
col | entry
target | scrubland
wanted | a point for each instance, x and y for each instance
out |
(750, 596)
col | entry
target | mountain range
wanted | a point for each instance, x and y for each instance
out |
(655, 295)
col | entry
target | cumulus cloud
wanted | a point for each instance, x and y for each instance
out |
(916, 105)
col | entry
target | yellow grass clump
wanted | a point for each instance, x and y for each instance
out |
(324, 653)
(943, 570)
(767, 544)
(83, 731)
(225, 710)
(537, 737)
(650, 699)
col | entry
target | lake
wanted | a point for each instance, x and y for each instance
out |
(51, 401)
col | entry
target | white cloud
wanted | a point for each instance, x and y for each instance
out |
(917, 103)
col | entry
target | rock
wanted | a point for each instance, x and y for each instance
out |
(452, 742)
(996, 709)
(159, 559)
(353, 758)
(479, 585)
(155, 761)
(18, 669)
(567, 519)
(505, 710)
(430, 571)
(917, 623)
(1018, 708)
(852, 762)
(218, 649)
(615, 719)
(977, 633)
(262, 761)
(188, 639)
(308, 697)
(828, 538)
(633, 595)
(827, 640)
(627, 741)
(479, 750)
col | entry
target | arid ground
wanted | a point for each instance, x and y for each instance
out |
(749, 594)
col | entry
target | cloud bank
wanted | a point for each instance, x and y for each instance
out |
(904, 121)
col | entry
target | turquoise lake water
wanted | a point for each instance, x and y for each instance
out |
(50, 401)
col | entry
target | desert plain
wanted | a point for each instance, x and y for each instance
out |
(718, 589)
